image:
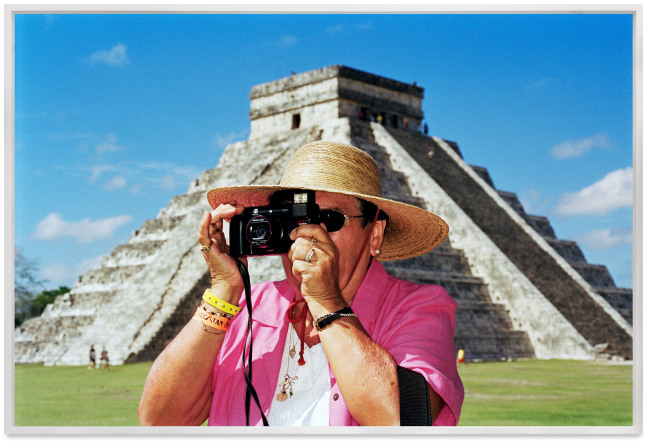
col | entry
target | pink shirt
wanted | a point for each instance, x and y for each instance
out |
(413, 322)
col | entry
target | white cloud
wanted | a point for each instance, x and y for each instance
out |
(117, 182)
(535, 201)
(364, 26)
(98, 170)
(287, 40)
(139, 177)
(54, 227)
(614, 191)
(334, 29)
(576, 148)
(605, 238)
(167, 182)
(116, 56)
(59, 274)
(109, 145)
(342, 28)
(222, 141)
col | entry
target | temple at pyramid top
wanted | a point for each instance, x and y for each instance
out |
(314, 97)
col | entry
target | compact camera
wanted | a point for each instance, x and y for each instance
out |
(265, 230)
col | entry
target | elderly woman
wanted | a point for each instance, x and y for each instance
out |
(339, 341)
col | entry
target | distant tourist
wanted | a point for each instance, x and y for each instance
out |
(105, 361)
(426, 129)
(335, 343)
(460, 359)
(93, 358)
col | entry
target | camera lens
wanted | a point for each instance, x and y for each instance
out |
(259, 231)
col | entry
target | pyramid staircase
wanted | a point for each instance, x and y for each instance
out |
(598, 309)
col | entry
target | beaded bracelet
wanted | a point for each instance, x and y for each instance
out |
(206, 308)
(219, 303)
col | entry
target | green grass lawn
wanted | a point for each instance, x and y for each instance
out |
(71, 396)
(522, 393)
(547, 393)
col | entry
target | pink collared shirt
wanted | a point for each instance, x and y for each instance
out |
(413, 322)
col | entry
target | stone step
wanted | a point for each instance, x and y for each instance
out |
(541, 225)
(493, 346)
(45, 328)
(135, 253)
(484, 174)
(78, 302)
(459, 286)
(569, 250)
(180, 205)
(485, 317)
(620, 299)
(108, 276)
(513, 201)
(434, 261)
(595, 275)
(157, 229)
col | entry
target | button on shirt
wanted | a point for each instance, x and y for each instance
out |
(413, 322)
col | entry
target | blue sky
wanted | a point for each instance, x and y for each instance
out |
(116, 114)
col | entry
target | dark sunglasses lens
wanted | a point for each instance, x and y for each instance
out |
(332, 219)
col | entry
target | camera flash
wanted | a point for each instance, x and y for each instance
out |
(300, 198)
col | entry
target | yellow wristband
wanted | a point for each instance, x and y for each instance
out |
(219, 303)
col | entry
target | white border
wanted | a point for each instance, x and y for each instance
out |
(8, 195)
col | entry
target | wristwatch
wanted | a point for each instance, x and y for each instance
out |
(323, 321)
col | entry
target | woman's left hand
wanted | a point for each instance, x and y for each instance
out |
(315, 264)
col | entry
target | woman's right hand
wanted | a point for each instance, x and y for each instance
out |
(226, 281)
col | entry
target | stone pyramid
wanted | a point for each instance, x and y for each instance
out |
(521, 292)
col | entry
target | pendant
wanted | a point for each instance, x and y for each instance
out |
(292, 353)
(282, 396)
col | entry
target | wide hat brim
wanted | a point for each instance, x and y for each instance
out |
(410, 232)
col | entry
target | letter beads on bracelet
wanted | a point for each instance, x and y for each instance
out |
(210, 321)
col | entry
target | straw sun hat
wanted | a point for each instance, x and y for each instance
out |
(339, 168)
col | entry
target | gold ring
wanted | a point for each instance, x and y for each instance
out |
(309, 255)
(205, 249)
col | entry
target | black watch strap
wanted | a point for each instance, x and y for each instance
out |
(325, 320)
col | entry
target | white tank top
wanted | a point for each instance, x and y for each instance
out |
(309, 402)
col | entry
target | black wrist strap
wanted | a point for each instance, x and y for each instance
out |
(323, 322)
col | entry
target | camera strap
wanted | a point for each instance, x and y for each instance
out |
(247, 372)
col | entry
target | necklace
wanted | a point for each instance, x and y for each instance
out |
(300, 318)
(288, 381)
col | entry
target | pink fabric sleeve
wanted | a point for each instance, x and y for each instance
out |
(420, 337)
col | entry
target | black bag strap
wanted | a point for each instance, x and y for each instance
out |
(415, 409)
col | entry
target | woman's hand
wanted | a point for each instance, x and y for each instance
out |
(315, 265)
(225, 276)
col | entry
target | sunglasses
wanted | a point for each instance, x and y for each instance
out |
(334, 220)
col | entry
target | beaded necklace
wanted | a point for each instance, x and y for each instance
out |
(288, 380)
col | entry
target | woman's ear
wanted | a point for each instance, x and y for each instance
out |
(377, 236)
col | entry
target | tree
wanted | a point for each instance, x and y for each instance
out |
(46, 297)
(26, 285)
